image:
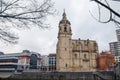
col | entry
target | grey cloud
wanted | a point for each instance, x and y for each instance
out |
(83, 26)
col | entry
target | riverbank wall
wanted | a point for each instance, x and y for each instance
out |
(60, 75)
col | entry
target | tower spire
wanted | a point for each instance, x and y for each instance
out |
(64, 15)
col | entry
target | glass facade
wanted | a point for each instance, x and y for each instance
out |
(8, 64)
(115, 48)
(8, 60)
(52, 62)
(118, 34)
(20, 61)
(33, 61)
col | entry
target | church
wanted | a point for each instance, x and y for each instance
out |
(74, 55)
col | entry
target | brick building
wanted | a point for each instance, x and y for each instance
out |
(105, 60)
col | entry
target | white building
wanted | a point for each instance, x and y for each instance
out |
(44, 63)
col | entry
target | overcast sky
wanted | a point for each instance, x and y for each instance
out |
(82, 24)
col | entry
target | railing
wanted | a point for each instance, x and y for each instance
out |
(99, 75)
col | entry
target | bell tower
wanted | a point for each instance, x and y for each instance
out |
(64, 44)
(64, 26)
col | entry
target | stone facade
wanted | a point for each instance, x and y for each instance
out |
(74, 55)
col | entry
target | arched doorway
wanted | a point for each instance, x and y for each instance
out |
(33, 61)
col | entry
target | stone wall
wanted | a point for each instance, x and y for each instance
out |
(59, 76)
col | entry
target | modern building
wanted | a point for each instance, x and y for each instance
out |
(52, 62)
(118, 34)
(74, 55)
(48, 62)
(44, 63)
(115, 46)
(20, 61)
(105, 61)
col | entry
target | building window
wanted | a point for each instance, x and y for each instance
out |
(95, 44)
(66, 65)
(75, 56)
(85, 56)
(65, 29)
(85, 42)
(65, 49)
(95, 56)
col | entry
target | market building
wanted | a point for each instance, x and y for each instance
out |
(20, 61)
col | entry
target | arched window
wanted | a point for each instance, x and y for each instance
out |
(65, 29)
(85, 56)
(66, 65)
(75, 56)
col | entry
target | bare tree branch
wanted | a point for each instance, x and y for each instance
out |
(99, 13)
(21, 14)
(112, 12)
(102, 4)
